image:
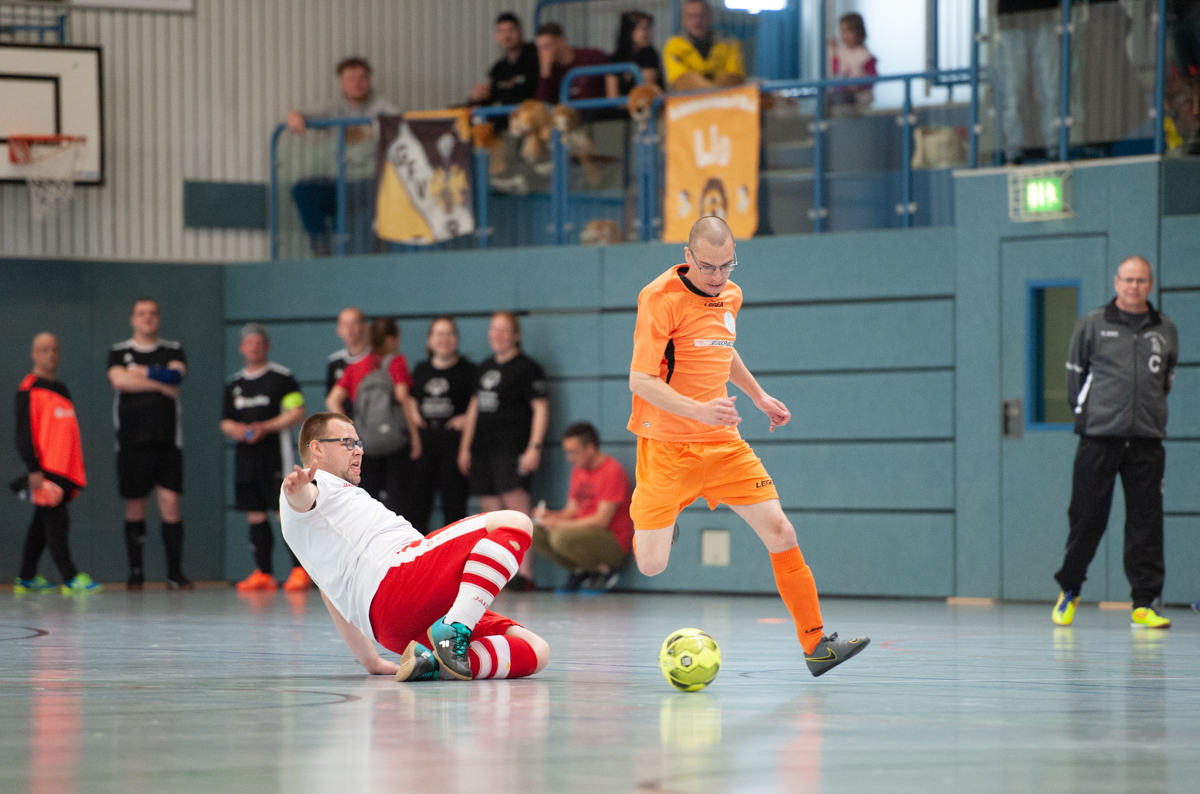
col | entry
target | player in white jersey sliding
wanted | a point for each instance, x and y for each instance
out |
(382, 581)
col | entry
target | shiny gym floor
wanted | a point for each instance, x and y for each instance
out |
(209, 692)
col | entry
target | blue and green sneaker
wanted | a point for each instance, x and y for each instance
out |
(37, 584)
(418, 663)
(450, 643)
(82, 583)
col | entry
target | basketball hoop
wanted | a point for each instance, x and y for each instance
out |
(48, 164)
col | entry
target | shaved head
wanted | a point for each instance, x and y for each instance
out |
(45, 337)
(711, 230)
(1137, 261)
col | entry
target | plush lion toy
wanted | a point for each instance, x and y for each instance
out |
(641, 102)
(575, 138)
(531, 122)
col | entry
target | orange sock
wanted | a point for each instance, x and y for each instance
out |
(794, 581)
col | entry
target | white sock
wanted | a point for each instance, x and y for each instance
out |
(489, 567)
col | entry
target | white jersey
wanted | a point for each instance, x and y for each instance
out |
(347, 543)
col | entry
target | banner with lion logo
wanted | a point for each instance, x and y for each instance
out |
(712, 161)
(423, 177)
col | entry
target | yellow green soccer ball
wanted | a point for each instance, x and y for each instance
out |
(689, 659)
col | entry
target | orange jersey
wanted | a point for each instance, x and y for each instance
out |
(685, 338)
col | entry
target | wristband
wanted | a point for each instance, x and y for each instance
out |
(171, 377)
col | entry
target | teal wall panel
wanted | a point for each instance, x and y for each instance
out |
(1184, 309)
(894, 554)
(616, 342)
(1184, 404)
(1181, 482)
(897, 476)
(1181, 537)
(872, 405)
(566, 345)
(1179, 252)
(840, 336)
(87, 305)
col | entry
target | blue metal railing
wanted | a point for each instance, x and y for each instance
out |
(58, 28)
(646, 160)
(339, 223)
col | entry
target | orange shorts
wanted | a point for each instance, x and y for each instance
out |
(671, 475)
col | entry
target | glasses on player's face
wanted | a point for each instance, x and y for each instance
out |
(708, 270)
(348, 443)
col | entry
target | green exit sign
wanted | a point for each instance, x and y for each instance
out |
(1040, 193)
(1044, 194)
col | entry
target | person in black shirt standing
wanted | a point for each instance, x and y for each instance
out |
(506, 423)
(351, 329)
(513, 78)
(442, 386)
(146, 372)
(635, 44)
(262, 401)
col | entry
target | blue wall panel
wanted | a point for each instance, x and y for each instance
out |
(864, 554)
(873, 405)
(1181, 537)
(1181, 482)
(903, 475)
(1184, 309)
(1184, 404)
(840, 336)
(566, 345)
(1180, 252)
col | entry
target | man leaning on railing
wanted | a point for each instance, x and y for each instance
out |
(316, 197)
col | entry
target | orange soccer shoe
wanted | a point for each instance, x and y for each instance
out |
(257, 581)
(297, 580)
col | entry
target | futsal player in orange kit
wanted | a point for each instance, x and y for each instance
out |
(686, 423)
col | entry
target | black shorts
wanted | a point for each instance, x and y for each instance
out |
(141, 468)
(495, 474)
(257, 495)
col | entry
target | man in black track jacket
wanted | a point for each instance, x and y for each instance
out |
(1120, 366)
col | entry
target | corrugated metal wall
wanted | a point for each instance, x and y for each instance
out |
(196, 96)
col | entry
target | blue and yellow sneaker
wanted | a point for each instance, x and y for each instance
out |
(1064, 609)
(418, 663)
(450, 643)
(1148, 618)
(82, 583)
(37, 584)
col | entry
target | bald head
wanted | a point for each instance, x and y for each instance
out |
(711, 230)
(1133, 283)
(45, 355)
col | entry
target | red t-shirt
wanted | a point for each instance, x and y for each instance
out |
(354, 373)
(608, 483)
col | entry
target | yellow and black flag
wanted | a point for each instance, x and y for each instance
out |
(423, 174)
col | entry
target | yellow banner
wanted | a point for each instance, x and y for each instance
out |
(423, 177)
(712, 161)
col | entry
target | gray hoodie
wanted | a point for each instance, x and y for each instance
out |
(1118, 376)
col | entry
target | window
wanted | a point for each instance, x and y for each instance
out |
(1053, 309)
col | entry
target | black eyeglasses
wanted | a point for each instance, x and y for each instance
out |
(348, 443)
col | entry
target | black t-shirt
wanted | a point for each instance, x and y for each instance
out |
(645, 58)
(146, 417)
(505, 415)
(513, 83)
(443, 393)
(257, 398)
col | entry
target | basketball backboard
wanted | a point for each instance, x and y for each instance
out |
(52, 90)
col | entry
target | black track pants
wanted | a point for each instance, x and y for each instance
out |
(437, 471)
(48, 528)
(1098, 461)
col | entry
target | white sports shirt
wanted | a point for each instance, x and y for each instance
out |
(347, 543)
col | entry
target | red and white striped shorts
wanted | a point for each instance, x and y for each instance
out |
(423, 584)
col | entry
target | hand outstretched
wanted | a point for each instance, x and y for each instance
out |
(298, 479)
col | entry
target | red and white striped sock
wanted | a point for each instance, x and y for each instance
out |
(501, 656)
(491, 564)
